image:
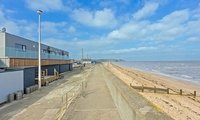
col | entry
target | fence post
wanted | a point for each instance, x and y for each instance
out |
(83, 89)
(142, 88)
(195, 93)
(181, 92)
(43, 73)
(167, 90)
(85, 84)
(62, 99)
(154, 89)
(46, 72)
(66, 99)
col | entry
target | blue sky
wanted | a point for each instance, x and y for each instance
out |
(126, 29)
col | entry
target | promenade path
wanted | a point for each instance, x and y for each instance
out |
(93, 103)
(96, 102)
(42, 104)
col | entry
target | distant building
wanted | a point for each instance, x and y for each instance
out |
(16, 51)
(86, 61)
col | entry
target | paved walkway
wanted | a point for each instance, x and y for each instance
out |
(96, 103)
(42, 104)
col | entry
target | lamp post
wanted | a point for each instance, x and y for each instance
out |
(39, 12)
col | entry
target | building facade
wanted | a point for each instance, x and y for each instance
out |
(19, 63)
(16, 51)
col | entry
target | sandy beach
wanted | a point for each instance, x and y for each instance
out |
(179, 107)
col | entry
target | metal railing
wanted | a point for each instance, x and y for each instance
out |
(14, 53)
(67, 99)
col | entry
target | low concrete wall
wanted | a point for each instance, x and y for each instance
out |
(130, 104)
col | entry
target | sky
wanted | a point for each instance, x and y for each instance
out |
(138, 30)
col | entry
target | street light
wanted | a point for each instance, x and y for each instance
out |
(39, 12)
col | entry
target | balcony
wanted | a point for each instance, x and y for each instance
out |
(15, 58)
(14, 53)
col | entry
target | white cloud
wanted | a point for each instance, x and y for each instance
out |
(129, 31)
(103, 18)
(176, 17)
(71, 29)
(176, 25)
(148, 10)
(193, 39)
(128, 50)
(74, 44)
(16, 27)
(46, 5)
(54, 28)
(28, 29)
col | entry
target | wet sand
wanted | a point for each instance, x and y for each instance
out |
(179, 107)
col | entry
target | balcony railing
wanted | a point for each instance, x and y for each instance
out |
(15, 53)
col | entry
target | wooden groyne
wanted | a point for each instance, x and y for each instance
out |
(160, 90)
(155, 89)
(154, 85)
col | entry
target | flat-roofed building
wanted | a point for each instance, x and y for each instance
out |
(16, 51)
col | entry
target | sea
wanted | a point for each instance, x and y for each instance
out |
(180, 70)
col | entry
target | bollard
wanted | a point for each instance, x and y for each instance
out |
(167, 90)
(28, 90)
(18, 95)
(11, 97)
(195, 93)
(31, 89)
(36, 87)
(181, 92)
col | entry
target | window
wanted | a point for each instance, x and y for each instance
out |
(20, 47)
(44, 51)
(24, 48)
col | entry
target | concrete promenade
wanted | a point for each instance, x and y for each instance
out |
(105, 97)
(96, 102)
(42, 104)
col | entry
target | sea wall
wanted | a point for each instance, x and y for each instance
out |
(131, 105)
